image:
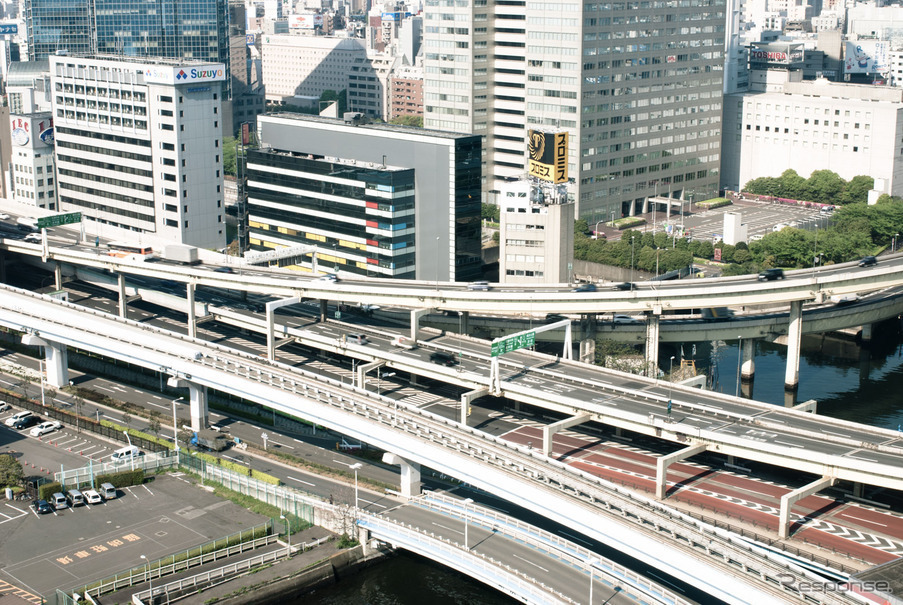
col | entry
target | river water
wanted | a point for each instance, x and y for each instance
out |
(855, 383)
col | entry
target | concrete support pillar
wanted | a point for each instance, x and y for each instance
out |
(363, 536)
(3, 267)
(464, 322)
(416, 314)
(123, 300)
(58, 275)
(663, 462)
(362, 370)
(748, 369)
(791, 498)
(549, 430)
(588, 350)
(794, 339)
(652, 329)
(865, 334)
(197, 397)
(858, 489)
(56, 359)
(192, 316)
(668, 211)
(410, 474)
(324, 309)
(467, 398)
(810, 405)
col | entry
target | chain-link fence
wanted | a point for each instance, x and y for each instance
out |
(77, 477)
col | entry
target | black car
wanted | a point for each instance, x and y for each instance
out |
(443, 358)
(585, 288)
(42, 507)
(625, 286)
(868, 261)
(224, 270)
(771, 274)
(28, 421)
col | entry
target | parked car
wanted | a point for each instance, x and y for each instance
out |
(45, 427)
(92, 497)
(868, 261)
(58, 501)
(124, 454)
(627, 286)
(42, 507)
(771, 274)
(16, 417)
(443, 358)
(585, 288)
(4, 406)
(26, 422)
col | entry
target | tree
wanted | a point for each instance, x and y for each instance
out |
(408, 120)
(154, 424)
(229, 155)
(825, 186)
(857, 190)
(489, 212)
(331, 95)
(126, 419)
(11, 473)
(792, 185)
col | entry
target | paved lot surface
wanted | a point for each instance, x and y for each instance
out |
(72, 547)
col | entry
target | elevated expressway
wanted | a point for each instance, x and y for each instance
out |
(719, 563)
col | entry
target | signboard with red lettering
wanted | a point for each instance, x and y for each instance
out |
(34, 130)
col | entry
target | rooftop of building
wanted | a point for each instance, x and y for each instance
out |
(150, 60)
(300, 117)
(24, 73)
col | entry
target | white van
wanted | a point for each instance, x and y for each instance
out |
(124, 454)
(75, 498)
(17, 417)
(107, 490)
(58, 501)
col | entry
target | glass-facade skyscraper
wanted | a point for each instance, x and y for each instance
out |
(176, 29)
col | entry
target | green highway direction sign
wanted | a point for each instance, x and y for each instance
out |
(513, 343)
(59, 219)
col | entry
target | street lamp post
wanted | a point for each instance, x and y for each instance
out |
(288, 535)
(77, 430)
(356, 467)
(612, 218)
(439, 265)
(596, 230)
(592, 577)
(175, 427)
(41, 376)
(893, 247)
(466, 502)
(616, 591)
(149, 580)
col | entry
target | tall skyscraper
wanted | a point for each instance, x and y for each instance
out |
(194, 30)
(637, 85)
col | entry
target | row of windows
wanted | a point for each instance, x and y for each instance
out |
(524, 273)
(91, 91)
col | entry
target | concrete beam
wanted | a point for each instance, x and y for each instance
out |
(123, 303)
(652, 330)
(791, 498)
(807, 406)
(363, 368)
(550, 430)
(662, 464)
(192, 316)
(468, 397)
(56, 359)
(416, 314)
(271, 314)
(748, 369)
(410, 474)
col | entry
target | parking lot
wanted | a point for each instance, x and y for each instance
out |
(70, 547)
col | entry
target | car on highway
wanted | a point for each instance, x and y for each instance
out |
(771, 274)
(868, 261)
(403, 342)
(625, 286)
(624, 319)
(224, 270)
(45, 427)
(92, 497)
(33, 238)
(3, 216)
(479, 286)
(443, 358)
(42, 507)
(585, 288)
(330, 277)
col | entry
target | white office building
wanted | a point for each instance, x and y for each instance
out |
(31, 176)
(784, 122)
(139, 146)
(297, 69)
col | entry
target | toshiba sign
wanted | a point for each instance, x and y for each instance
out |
(768, 55)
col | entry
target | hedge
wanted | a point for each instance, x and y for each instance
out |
(238, 468)
(48, 489)
(122, 478)
(717, 202)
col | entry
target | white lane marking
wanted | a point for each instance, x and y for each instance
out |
(846, 516)
(833, 433)
(573, 537)
(281, 444)
(157, 405)
(796, 445)
(148, 490)
(233, 459)
(300, 480)
(530, 562)
(373, 503)
(297, 440)
(457, 531)
(664, 581)
(861, 458)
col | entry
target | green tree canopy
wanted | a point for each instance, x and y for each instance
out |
(11, 473)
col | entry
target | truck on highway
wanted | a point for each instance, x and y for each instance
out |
(210, 439)
(186, 255)
(26, 223)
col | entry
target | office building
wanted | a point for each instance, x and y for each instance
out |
(636, 85)
(536, 233)
(31, 173)
(785, 122)
(375, 199)
(139, 146)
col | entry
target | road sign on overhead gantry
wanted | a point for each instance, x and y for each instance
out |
(522, 340)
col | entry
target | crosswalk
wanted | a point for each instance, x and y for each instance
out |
(9, 589)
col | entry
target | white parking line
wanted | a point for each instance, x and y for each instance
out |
(299, 480)
(148, 490)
